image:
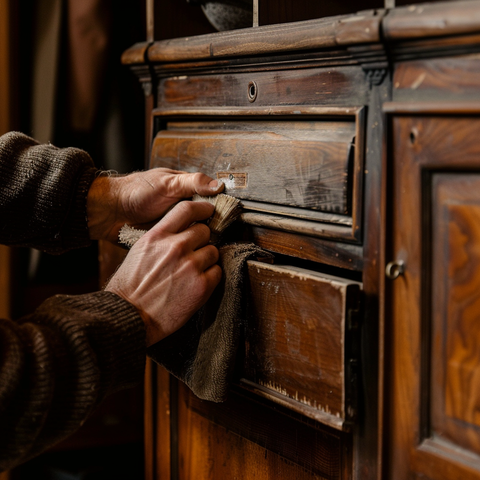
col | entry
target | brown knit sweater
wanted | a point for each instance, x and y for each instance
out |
(58, 363)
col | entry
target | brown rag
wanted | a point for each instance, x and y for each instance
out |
(202, 353)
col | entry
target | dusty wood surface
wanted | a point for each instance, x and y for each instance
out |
(301, 164)
(295, 36)
(431, 20)
(296, 335)
(273, 89)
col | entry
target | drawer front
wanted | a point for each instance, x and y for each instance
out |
(307, 171)
(300, 340)
(299, 164)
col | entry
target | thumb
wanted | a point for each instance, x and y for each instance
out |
(185, 185)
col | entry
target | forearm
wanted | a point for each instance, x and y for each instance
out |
(59, 363)
(43, 194)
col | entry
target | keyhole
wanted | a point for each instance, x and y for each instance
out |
(252, 91)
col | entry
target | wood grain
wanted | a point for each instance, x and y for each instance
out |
(315, 86)
(455, 329)
(438, 19)
(300, 164)
(337, 254)
(296, 335)
(242, 438)
(433, 305)
(457, 76)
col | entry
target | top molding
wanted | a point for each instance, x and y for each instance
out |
(398, 24)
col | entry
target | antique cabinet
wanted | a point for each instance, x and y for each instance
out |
(351, 141)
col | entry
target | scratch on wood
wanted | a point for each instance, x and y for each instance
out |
(418, 81)
(279, 389)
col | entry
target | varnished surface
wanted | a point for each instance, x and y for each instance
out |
(135, 54)
(295, 36)
(296, 335)
(336, 254)
(456, 274)
(430, 20)
(242, 438)
(298, 164)
(293, 87)
(456, 77)
(431, 302)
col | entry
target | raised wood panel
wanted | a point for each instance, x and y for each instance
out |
(299, 339)
(455, 315)
(304, 164)
(243, 438)
(346, 85)
(433, 342)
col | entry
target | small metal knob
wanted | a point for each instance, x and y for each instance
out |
(394, 269)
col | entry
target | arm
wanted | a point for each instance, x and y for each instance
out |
(58, 363)
(43, 192)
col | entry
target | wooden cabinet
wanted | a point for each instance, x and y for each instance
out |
(435, 303)
(352, 142)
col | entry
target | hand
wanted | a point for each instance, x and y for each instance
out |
(171, 271)
(140, 199)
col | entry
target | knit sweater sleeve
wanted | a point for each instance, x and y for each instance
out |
(43, 191)
(58, 363)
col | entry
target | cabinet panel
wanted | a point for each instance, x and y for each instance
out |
(456, 312)
(434, 304)
(245, 438)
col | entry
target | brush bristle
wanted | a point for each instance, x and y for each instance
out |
(227, 210)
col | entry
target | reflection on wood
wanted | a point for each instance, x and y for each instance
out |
(462, 397)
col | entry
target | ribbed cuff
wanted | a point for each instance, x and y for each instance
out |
(75, 230)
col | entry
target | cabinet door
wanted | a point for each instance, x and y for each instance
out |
(433, 311)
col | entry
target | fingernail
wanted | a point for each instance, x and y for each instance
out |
(214, 184)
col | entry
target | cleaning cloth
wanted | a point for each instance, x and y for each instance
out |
(202, 353)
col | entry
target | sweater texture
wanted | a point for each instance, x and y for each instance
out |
(58, 363)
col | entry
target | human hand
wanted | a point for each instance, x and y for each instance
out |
(171, 271)
(140, 199)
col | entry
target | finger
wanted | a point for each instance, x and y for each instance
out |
(213, 276)
(185, 185)
(195, 236)
(206, 257)
(182, 216)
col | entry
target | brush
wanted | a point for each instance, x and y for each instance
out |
(227, 210)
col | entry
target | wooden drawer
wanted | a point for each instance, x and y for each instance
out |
(300, 173)
(301, 341)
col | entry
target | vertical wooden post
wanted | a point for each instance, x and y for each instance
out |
(255, 13)
(150, 21)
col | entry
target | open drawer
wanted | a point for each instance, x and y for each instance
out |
(299, 172)
(302, 341)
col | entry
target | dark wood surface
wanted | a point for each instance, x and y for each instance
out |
(245, 438)
(296, 337)
(418, 340)
(299, 164)
(433, 427)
